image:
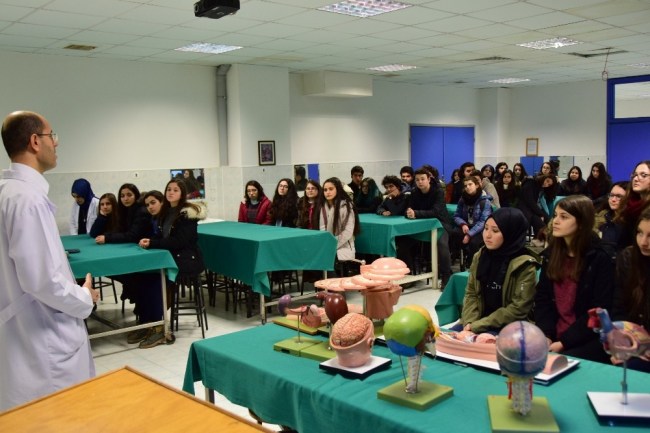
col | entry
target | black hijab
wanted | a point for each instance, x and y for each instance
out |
(493, 264)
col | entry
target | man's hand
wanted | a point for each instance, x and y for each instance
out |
(410, 213)
(101, 239)
(88, 284)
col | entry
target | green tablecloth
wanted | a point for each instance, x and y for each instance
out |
(287, 390)
(450, 303)
(248, 252)
(115, 259)
(378, 232)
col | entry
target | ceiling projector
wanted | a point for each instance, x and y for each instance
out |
(215, 8)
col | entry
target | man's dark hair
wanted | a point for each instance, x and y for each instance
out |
(406, 169)
(356, 169)
(17, 130)
(392, 180)
(423, 170)
(300, 171)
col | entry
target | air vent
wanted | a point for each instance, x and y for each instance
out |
(590, 55)
(80, 47)
(491, 59)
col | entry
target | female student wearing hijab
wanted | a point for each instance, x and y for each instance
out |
(502, 278)
(84, 208)
(578, 274)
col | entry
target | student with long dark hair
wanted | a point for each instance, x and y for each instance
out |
(255, 206)
(599, 183)
(178, 233)
(574, 183)
(611, 231)
(284, 208)
(508, 189)
(635, 201)
(338, 217)
(632, 297)
(577, 275)
(369, 197)
(108, 216)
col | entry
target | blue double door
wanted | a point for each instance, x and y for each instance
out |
(444, 147)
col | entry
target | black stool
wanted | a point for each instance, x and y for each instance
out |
(195, 301)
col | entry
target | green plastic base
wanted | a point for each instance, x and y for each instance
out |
(504, 420)
(293, 324)
(293, 347)
(319, 352)
(428, 395)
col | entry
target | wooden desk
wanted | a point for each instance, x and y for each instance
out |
(116, 259)
(122, 401)
(378, 235)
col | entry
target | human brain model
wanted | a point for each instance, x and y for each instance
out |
(522, 349)
(352, 338)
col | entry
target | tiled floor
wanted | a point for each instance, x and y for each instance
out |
(167, 362)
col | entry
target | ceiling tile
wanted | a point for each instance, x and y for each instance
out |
(39, 31)
(14, 13)
(454, 24)
(609, 8)
(104, 8)
(265, 11)
(510, 12)
(61, 19)
(463, 7)
(128, 26)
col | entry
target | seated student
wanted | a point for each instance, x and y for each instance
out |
(499, 169)
(529, 204)
(284, 207)
(177, 232)
(474, 208)
(632, 296)
(395, 202)
(450, 196)
(356, 174)
(520, 173)
(574, 184)
(369, 197)
(255, 206)
(507, 189)
(338, 217)
(107, 219)
(487, 172)
(309, 206)
(611, 231)
(427, 201)
(84, 208)
(637, 198)
(488, 187)
(577, 275)
(598, 184)
(502, 279)
(408, 181)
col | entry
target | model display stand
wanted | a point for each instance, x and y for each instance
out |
(294, 323)
(428, 394)
(503, 419)
(374, 364)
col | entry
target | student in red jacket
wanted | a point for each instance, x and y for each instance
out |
(255, 206)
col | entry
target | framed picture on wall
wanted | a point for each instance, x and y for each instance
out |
(266, 152)
(532, 146)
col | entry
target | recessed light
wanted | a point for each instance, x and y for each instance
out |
(391, 68)
(549, 43)
(364, 8)
(508, 80)
(204, 47)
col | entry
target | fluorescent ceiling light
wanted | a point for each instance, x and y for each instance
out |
(549, 43)
(204, 47)
(508, 80)
(640, 65)
(364, 8)
(391, 68)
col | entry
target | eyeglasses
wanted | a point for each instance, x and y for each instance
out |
(616, 196)
(283, 186)
(53, 135)
(642, 176)
(251, 190)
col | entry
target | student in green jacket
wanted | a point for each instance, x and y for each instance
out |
(502, 279)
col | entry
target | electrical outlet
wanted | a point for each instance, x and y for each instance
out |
(136, 174)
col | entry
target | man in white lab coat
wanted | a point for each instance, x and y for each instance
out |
(43, 339)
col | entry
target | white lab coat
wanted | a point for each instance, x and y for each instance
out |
(90, 217)
(43, 339)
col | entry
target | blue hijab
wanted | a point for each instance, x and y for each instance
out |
(82, 188)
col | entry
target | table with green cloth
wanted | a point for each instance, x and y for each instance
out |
(248, 252)
(292, 391)
(116, 259)
(450, 303)
(378, 235)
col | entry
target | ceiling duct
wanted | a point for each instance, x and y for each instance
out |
(336, 84)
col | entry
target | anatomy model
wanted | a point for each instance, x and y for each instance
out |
(409, 332)
(522, 349)
(352, 338)
(622, 340)
(376, 282)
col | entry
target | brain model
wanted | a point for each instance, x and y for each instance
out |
(352, 337)
(521, 353)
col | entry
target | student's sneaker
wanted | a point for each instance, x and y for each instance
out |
(138, 335)
(156, 337)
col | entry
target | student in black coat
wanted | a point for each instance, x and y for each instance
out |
(395, 202)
